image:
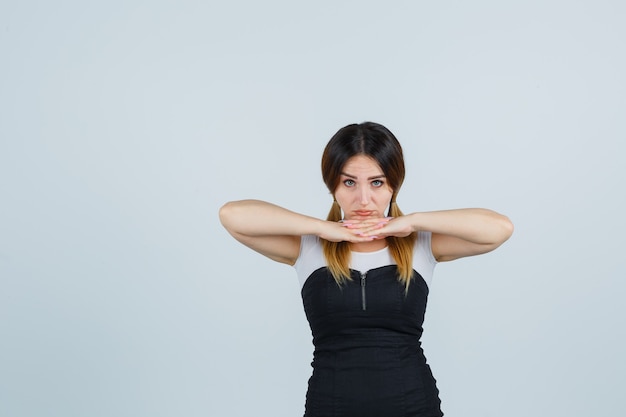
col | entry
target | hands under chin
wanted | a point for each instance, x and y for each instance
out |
(381, 228)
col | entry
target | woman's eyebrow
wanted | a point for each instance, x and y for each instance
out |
(375, 177)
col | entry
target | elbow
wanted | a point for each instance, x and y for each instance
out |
(506, 228)
(502, 231)
(226, 214)
(234, 215)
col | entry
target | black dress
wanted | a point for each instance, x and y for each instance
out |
(368, 360)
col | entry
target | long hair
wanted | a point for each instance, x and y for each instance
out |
(377, 142)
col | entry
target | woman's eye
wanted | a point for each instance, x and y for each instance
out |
(349, 183)
(377, 183)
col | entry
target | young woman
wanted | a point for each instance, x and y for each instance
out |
(364, 273)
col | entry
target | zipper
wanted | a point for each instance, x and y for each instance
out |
(363, 303)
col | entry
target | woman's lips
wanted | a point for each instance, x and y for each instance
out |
(363, 213)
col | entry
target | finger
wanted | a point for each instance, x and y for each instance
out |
(378, 231)
(360, 239)
(366, 226)
(366, 221)
(359, 226)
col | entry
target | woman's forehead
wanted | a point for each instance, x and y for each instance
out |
(362, 164)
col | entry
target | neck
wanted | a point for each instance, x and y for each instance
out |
(372, 246)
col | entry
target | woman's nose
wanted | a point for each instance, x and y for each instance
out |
(365, 196)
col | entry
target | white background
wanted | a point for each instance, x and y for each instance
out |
(125, 125)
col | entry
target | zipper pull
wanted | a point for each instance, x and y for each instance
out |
(363, 304)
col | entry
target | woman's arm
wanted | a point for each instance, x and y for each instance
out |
(464, 232)
(274, 231)
(455, 233)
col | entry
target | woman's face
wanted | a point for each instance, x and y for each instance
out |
(363, 191)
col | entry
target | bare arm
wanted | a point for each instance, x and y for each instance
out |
(275, 232)
(464, 232)
(456, 233)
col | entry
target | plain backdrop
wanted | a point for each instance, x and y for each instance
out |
(125, 125)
